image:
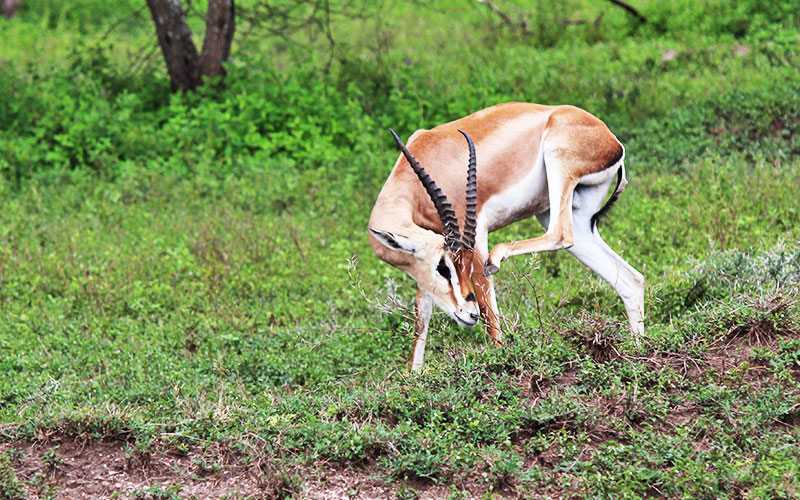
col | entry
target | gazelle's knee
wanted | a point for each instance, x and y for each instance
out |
(567, 240)
(638, 278)
(562, 235)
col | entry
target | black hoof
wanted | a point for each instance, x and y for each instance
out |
(489, 268)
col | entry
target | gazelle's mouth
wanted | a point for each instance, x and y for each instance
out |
(466, 320)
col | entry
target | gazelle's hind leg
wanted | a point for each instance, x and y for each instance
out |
(594, 253)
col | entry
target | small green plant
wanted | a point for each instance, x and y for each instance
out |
(286, 484)
(15, 455)
(51, 460)
(204, 466)
(456, 493)
(159, 492)
(10, 486)
(42, 485)
(406, 493)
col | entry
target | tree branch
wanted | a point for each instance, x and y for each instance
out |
(633, 11)
(505, 17)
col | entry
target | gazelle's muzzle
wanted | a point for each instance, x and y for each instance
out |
(466, 318)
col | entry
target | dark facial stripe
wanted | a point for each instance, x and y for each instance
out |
(443, 269)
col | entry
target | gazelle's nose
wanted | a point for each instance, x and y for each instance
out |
(474, 317)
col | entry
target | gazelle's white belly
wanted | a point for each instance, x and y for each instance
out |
(518, 201)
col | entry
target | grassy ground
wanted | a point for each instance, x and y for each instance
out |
(189, 276)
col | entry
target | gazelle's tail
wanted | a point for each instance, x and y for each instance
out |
(604, 210)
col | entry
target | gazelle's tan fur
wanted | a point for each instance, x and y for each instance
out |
(555, 162)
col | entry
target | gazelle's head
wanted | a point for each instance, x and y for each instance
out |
(442, 263)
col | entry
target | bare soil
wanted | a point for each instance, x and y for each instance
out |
(68, 467)
(101, 469)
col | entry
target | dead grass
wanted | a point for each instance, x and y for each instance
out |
(598, 337)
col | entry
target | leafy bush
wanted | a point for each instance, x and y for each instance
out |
(774, 271)
(719, 17)
(96, 115)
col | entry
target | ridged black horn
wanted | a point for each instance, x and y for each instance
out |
(452, 235)
(471, 217)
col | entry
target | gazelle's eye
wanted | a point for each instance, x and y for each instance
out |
(443, 269)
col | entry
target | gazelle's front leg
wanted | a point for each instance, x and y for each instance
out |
(559, 232)
(423, 307)
(484, 294)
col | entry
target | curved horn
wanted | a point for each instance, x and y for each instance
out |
(452, 235)
(471, 217)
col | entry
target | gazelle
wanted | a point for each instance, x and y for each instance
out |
(554, 162)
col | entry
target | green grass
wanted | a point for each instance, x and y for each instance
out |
(195, 268)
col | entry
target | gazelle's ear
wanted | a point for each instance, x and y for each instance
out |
(395, 241)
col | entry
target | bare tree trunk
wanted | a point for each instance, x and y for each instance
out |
(9, 8)
(220, 24)
(185, 66)
(176, 43)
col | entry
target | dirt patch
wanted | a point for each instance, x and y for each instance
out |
(685, 366)
(65, 467)
(97, 469)
(335, 483)
(790, 418)
(734, 351)
(538, 386)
